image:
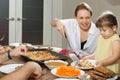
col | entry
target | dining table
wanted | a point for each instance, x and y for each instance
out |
(46, 72)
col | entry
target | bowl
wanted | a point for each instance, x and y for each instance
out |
(51, 64)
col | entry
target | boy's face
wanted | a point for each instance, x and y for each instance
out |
(106, 32)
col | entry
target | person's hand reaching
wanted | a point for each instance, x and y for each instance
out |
(21, 50)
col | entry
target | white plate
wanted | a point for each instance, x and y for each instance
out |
(114, 78)
(18, 44)
(9, 68)
(65, 79)
(56, 49)
(92, 61)
(14, 44)
(53, 71)
(52, 67)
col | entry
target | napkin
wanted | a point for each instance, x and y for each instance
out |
(66, 52)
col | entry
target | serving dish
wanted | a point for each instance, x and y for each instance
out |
(54, 72)
(28, 45)
(9, 68)
(114, 78)
(55, 49)
(55, 55)
(51, 64)
(84, 64)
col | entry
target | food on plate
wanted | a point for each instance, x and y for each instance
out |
(101, 73)
(85, 64)
(55, 63)
(68, 71)
(4, 49)
(96, 77)
(41, 55)
(106, 71)
(97, 73)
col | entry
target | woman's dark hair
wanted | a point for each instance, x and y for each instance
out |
(81, 6)
(108, 19)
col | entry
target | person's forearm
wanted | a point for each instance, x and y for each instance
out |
(109, 60)
(21, 74)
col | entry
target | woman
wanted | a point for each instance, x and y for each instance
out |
(80, 32)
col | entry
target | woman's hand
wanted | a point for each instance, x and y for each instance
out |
(84, 57)
(60, 27)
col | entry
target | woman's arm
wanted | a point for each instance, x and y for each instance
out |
(114, 57)
(54, 22)
(88, 57)
(30, 69)
(60, 27)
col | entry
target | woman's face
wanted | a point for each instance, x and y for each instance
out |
(84, 19)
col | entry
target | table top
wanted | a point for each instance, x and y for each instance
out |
(46, 73)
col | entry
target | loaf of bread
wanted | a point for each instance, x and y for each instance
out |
(101, 73)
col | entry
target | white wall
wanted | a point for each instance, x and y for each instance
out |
(52, 9)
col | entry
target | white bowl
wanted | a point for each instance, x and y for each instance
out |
(55, 64)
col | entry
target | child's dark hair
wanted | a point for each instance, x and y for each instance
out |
(108, 19)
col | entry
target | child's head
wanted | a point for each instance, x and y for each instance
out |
(107, 23)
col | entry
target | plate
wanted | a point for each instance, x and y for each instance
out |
(93, 62)
(114, 78)
(55, 49)
(9, 68)
(53, 71)
(65, 79)
(14, 44)
(55, 63)
(28, 45)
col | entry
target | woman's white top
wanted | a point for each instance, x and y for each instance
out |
(73, 36)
